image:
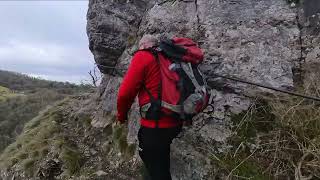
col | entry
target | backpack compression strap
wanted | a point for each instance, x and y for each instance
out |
(189, 71)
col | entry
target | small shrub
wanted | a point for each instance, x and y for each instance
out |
(86, 119)
(35, 154)
(13, 161)
(278, 136)
(122, 144)
(117, 132)
(71, 159)
(44, 151)
(131, 149)
(22, 156)
(108, 130)
(29, 166)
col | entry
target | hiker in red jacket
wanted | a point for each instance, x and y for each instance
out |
(155, 136)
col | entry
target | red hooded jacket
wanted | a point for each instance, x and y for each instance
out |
(142, 70)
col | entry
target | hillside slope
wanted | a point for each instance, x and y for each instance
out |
(21, 82)
(26, 98)
(60, 143)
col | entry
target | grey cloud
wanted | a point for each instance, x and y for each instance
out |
(43, 25)
(38, 20)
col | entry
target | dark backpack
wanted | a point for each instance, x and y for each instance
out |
(183, 90)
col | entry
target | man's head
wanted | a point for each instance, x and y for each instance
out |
(148, 41)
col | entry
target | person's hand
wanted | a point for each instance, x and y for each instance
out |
(120, 119)
(119, 123)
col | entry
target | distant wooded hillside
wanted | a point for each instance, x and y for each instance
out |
(20, 82)
(22, 97)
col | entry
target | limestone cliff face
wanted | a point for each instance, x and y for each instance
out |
(309, 20)
(265, 41)
(112, 25)
(256, 40)
(241, 36)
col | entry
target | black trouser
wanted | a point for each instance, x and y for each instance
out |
(155, 150)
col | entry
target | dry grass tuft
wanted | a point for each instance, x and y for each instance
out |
(280, 135)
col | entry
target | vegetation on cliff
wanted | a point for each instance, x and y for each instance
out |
(21, 99)
(39, 137)
(6, 93)
(62, 144)
(278, 137)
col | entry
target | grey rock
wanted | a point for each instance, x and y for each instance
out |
(111, 27)
(311, 7)
(105, 112)
(101, 173)
(310, 48)
(266, 42)
(256, 40)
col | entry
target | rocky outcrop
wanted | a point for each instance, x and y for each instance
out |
(112, 27)
(310, 38)
(257, 40)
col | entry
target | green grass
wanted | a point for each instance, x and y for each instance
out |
(276, 138)
(4, 90)
(6, 93)
(240, 162)
(29, 166)
(39, 136)
(71, 158)
(33, 144)
(15, 112)
(240, 166)
(119, 141)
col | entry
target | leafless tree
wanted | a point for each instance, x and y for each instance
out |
(95, 76)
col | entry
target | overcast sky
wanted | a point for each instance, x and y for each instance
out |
(46, 39)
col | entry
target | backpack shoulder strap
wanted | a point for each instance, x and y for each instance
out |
(155, 54)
